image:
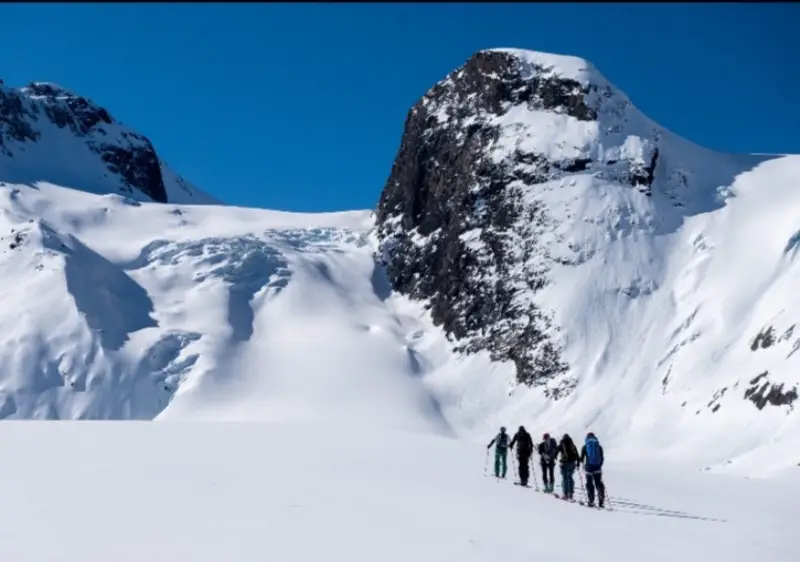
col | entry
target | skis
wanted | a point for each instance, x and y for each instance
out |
(528, 486)
(558, 496)
(581, 502)
(497, 478)
(605, 507)
(553, 494)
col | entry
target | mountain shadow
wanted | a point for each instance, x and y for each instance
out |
(113, 304)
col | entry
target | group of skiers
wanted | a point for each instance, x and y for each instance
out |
(550, 451)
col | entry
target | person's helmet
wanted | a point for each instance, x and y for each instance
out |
(503, 429)
(546, 436)
(590, 435)
(522, 429)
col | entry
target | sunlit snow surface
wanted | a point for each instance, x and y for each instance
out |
(250, 492)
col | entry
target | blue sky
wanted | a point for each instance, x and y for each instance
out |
(301, 106)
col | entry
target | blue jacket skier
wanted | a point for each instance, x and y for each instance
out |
(500, 453)
(593, 458)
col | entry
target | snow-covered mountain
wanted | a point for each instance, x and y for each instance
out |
(52, 135)
(639, 283)
(597, 270)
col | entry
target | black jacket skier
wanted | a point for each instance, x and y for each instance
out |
(548, 450)
(568, 457)
(524, 442)
(568, 452)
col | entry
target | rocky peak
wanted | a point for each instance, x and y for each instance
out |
(457, 223)
(496, 80)
(34, 123)
(66, 109)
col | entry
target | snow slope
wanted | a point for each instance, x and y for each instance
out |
(662, 311)
(661, 296)
(194, 315)
(135, 310)
(294, 492)
(126, 310)
(673, 296)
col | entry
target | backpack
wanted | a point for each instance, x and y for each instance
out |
(502, 440)
(593, 454)
(525, 446)
(569, 453)
(551, 448)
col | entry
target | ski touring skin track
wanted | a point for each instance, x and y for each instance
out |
(583, 503)
(560, 497)
(552, 494)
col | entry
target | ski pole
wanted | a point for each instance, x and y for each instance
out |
(605, 493)
(486, 464)
(516, 469)
(533, 473)
(583, 488)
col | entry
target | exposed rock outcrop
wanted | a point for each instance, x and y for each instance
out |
(456, 220)
(59, 127)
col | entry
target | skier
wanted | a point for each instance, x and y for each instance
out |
(592, 456)
(524, 443)
(500, 453)
(568, 454)
(548, 449)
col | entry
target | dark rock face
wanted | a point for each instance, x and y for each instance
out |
(764, 339)
(139, 168)
(128, 155)
(67, 110)
(763, 392)
(14, 121)
(456, 222)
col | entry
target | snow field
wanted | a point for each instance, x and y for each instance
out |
(166, 491)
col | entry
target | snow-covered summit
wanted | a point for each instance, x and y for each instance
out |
(50, 134)
(549, 64)
(49, 90)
